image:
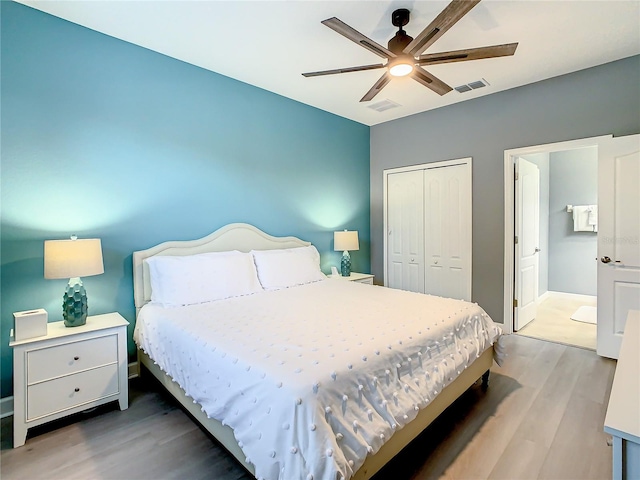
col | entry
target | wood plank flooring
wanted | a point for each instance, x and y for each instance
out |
(541, 418)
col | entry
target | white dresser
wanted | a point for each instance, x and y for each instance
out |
(68, 370)
(622, 421)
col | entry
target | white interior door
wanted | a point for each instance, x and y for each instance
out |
(405, 230)
(527, 245)
(618, 239)
(448, 231)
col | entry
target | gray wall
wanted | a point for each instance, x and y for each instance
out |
(592, 102)
(572, 255)
(542, 161)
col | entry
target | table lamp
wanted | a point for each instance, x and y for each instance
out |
(345, 241)
(73, 259)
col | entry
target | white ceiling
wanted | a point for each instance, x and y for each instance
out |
(270, 43)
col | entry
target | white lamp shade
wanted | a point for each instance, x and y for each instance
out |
(346, 241)
(72, 258)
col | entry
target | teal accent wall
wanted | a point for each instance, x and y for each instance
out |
(105, 139)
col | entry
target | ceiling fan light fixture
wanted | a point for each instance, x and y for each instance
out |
(405, 55)
(401, 66)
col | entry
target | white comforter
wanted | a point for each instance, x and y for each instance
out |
(312, 379)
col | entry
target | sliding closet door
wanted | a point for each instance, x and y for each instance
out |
(405, 231)
(447, 208)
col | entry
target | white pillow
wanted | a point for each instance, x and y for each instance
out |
(205, 277)
(288, 267)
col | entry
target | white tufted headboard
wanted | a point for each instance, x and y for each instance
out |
(235, 236)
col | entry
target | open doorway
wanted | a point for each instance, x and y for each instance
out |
(551, 242)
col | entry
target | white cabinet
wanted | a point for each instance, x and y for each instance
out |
(68, 370)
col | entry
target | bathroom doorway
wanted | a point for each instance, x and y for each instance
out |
(555, 296)
(565, 318)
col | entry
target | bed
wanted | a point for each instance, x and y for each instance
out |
(300, 375)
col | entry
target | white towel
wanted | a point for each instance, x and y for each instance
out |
(581, 219)
(592, 217)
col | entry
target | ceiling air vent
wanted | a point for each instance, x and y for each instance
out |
(384, 105)
(472, 86)
(463, 88)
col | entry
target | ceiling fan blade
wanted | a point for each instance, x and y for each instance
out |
(355, 36)
(443, 22)
(420, 75)
(379, 85)
(344, 70)
(468, 54)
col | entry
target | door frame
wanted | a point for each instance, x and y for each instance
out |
(424, 166)
(509, 210)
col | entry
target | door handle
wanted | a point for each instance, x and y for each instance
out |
(605, 260)
(537, 250)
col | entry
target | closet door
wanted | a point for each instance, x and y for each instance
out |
(447, 208)
(405, 230)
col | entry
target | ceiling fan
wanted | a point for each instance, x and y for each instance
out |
(404, 53)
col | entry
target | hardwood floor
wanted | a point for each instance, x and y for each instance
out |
(541, 418)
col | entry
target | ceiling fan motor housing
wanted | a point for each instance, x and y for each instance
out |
(399, 42)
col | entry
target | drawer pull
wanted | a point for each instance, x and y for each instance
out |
(76, 389)
(76, 358)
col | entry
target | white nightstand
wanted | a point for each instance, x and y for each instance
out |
(68, 370)
(357, 277)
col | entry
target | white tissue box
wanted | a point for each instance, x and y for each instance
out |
(29, 324)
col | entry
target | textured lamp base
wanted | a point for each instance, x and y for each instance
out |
(74, 304)
(345, 264)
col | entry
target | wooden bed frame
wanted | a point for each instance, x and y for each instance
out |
(244, 237)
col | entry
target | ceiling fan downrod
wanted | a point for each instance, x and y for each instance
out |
(399, 18)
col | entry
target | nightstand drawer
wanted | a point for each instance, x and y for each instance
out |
(73, 390)
(53, 362)
(368, 281)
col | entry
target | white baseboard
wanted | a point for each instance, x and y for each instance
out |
(543, 297)
(6, 403)
(572, 296)
(6, 407)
